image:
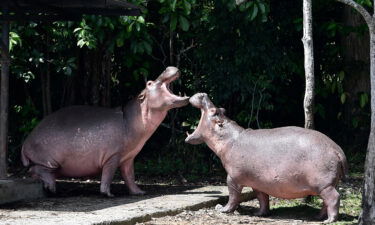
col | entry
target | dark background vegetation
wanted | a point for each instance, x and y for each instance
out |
(249, 59)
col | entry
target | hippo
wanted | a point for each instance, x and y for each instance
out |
(83, 141)
(286, 162)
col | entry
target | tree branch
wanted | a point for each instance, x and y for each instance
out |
(366, 15)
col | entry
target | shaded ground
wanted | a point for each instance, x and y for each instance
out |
(282, 211)
(79, 202)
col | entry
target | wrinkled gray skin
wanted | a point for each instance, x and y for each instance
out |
(286, 162)
(82, 141)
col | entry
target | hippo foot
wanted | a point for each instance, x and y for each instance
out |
(50, 187)
(261, 213)
(329, 220)
(137, 192)
(320, 217)
(108, 194)
(224, 209)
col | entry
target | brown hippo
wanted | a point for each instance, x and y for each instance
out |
(286, 162)
(82, 141)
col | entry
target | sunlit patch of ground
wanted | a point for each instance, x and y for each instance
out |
(282, 211)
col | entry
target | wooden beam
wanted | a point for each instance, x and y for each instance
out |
(4, 97)
(65, 15)
(35, 18)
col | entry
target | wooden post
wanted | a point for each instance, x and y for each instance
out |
(4, 97)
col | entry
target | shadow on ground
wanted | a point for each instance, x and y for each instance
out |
(301, 212)
(81, 196)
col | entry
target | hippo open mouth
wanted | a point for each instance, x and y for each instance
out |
(163, 85)
(200, 101)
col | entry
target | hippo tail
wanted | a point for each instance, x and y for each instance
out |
(25, 160)
(344, 166)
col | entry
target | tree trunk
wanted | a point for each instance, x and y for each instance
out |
(356, 56)
(368, 196)
(4, 98)
(308, 46)
(105, 81)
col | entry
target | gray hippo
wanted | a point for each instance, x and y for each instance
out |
(82, 141)
(286, 162)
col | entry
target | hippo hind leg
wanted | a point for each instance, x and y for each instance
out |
(331, 202)
(264, 203)
(234, 197)
(47, 175)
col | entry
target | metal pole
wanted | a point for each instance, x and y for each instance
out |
(4, 97)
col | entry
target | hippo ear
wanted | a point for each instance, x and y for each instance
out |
(213, 111)
(142, 96)
(222, 111)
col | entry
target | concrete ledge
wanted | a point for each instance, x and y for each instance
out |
(246, 196)
(19, 189)
(95, 209)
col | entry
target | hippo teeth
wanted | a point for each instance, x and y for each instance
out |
(187, 133)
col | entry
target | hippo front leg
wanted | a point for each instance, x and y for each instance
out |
(234, 197)
(108, 172)
(127, 172)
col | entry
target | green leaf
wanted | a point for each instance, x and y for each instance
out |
(77, 29)
(363, 99)
(173, 22)
(120, 42)
(81, 43)
(262, 7)
(187, 7)
(147, 47)
(243, 7)
(130, 27)
(341, 75)
(173, 5)
(185, 124)
(343, 98)
(254, 13)
(184, 23)
(140, 19)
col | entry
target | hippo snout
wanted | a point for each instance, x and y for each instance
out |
(197, 100)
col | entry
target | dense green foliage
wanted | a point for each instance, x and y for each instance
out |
(248, 58)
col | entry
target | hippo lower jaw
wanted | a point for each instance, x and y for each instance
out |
(193, 139)
(180, 101)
